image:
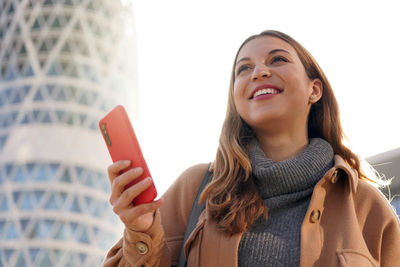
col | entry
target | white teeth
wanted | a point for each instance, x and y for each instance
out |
(266, 91)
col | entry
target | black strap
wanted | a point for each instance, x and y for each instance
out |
(194, 216)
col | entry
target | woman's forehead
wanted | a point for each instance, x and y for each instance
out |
(263, 45)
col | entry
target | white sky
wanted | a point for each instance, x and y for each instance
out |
(186, 50)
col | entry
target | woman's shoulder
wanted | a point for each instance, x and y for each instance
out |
(179, 200)
(373, 200)
(191, 178)
(184, 188)
(194, 173)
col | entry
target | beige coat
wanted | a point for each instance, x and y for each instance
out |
(348, 223)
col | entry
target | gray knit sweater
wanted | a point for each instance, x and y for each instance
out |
(286, 188)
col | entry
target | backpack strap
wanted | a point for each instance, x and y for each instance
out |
(194, 215)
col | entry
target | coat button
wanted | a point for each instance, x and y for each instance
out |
(315, 215)
(335, 177)
(142, 247)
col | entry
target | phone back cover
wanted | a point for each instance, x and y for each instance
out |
(124, 145)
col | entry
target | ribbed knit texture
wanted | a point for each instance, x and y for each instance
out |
(286, 188)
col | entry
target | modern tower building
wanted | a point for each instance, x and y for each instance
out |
(63, 65)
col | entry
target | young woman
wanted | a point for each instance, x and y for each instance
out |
(285, 190)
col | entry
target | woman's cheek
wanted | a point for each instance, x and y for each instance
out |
(237, 92)
(238, 86)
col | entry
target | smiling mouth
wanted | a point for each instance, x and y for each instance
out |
(266, 91)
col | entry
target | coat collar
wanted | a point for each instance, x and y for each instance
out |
(352, 174)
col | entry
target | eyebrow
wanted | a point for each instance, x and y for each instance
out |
(270, 52)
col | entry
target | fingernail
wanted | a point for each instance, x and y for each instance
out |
(127, 162)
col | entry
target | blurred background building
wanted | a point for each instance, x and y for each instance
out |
(388, 166)
(63, 65)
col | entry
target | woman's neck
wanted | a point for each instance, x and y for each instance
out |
(282, 147)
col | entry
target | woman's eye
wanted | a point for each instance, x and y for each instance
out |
(242, 68)
(279, 58)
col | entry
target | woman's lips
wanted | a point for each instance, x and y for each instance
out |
(266, 96)
(265, 91)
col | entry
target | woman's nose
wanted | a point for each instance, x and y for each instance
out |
(260, 72)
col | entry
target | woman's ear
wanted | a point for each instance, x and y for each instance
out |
(316, 93)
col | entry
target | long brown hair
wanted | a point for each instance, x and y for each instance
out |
(232, 198)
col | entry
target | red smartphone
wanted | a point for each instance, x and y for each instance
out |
(122, 144)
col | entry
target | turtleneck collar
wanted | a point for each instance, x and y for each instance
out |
(296, 174)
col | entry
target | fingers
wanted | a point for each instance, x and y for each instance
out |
(135, 217)
(128, 216)
(125, 199)
(118, 185)
(114, 170)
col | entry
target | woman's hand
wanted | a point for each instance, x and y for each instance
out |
(137, 218)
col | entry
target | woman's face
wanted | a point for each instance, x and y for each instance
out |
(271, 88)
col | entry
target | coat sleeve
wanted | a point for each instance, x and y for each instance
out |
(380, 225)
(160, 245)
(140, 248)
(391, 243)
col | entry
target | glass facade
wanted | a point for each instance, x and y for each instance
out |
(63, 65)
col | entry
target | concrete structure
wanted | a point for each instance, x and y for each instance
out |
(63, 65)
(388, 165)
